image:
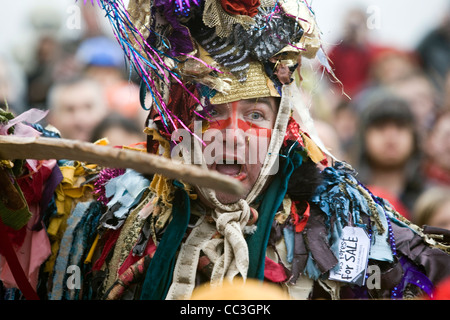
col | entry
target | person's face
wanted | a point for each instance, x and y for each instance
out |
(345, 124)
(441, 218)
(439, 143)
(389, 145)
(77, 112)
(240, 132)
(419, 93)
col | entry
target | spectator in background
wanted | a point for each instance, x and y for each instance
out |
(104, 62)
(390, 64)
(345, 123)
(351, 58)
(387, 155)
(76, 106)
(119, 130)
(434, 52)
(420, 93)
(446, 99)
(328, 135)
(437, 151)
(12, 85)
(40, 78)
(432, 208)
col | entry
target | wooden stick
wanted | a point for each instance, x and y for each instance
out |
(42, 148)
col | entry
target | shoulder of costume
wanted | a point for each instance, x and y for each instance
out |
(321, 202)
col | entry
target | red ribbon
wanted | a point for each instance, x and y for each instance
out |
(242, 7)
(110, 240)
(293, 132)
(15, 267)
(299, 224)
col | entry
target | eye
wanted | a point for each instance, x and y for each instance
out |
(214, 113)
(255, 115)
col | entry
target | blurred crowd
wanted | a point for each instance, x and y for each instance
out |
(386, 113)
(83, 81)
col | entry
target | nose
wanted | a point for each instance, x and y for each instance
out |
(233, 131)
(234, 136)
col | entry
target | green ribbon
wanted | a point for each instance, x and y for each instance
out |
(160, 271)
(271, 202)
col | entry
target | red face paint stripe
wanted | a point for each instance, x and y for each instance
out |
(234, 123)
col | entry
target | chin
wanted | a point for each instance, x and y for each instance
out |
(226, 198)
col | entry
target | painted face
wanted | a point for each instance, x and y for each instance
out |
(237, 140)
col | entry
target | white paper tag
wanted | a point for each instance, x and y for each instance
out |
(354, 248)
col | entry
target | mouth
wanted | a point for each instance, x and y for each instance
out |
(234, 170)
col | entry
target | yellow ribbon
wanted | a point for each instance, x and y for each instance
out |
(71, 190)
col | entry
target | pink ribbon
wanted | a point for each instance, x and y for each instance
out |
(23, 130)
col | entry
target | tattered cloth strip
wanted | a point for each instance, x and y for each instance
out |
(62, 259)
(21, 126)
(83, 236)
(127, 190)
(71, 190)
(31, 244)
(346, 202)
(13, 207)
(129, 234)
(17, 271)
(434, 261)
(133, 274)
(159, 273)
(308, 252)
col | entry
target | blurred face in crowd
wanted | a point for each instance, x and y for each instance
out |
(389, 144)
(76, 109)
(355, 27)
(438, 146)
(345, 122)
(441, 217)
(242, 131)
(419, 93)
(392, 66)
(447, 91)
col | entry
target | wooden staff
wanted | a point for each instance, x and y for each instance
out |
(42, 148)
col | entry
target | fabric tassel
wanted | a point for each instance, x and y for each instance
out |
(298, 222)
(300, 257)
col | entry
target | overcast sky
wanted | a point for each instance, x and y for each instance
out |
(401, 22)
